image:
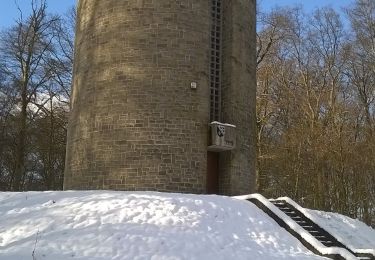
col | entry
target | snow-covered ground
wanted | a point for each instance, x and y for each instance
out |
(148, 225)
(107, 225)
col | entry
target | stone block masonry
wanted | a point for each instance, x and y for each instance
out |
(136, 123)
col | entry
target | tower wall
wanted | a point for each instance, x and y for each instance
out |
(237, 167)
(136, 123)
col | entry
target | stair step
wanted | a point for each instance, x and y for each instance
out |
(308, 227)
(282, 206)
(328, 243)
(322, 237)
(285, 208)
(278, 202)
(291, 213)
(365, 256)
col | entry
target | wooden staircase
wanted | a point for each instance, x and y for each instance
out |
(317, 232)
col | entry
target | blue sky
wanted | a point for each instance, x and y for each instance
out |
(9, 12)
(307, 4)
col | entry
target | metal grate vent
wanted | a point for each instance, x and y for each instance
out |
(215, 63)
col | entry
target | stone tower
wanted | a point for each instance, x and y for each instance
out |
(149, 77)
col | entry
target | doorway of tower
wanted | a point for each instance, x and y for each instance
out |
(212, 173)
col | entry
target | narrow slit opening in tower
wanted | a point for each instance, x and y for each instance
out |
(212, 185)
(215, 64)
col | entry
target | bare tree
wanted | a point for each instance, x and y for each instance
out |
(315, 110)
(35, 52)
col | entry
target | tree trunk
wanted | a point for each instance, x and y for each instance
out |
(19, 172)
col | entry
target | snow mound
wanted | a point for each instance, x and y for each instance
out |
(105, 225)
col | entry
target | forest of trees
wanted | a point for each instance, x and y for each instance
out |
(36, 57)
(315, 104)
(316, 108)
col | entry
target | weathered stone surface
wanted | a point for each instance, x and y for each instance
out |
(237, 167)
(135, 122)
